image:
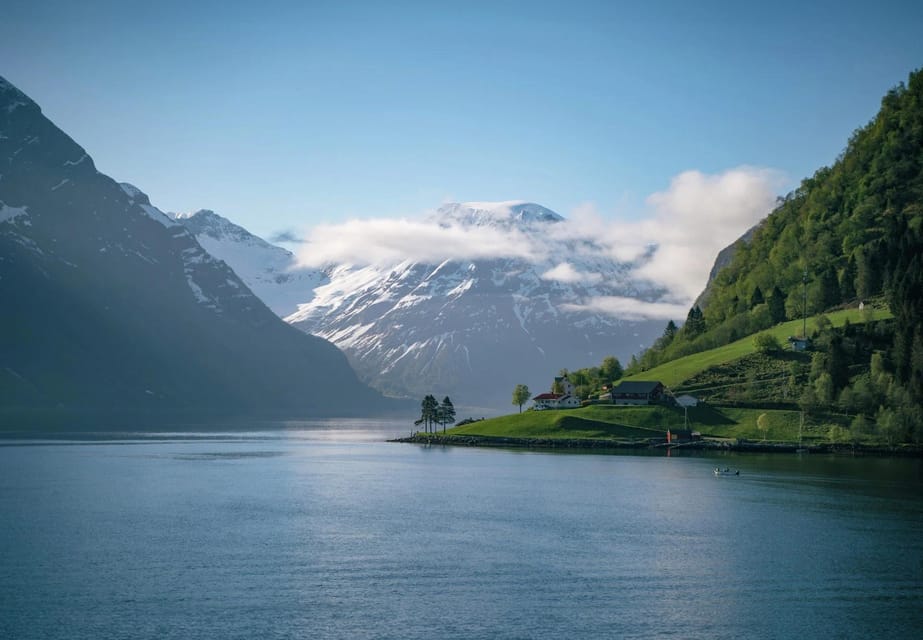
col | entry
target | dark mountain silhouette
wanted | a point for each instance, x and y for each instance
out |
(108, 305)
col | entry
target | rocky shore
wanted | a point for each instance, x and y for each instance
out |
(653, 444)
(520, 443)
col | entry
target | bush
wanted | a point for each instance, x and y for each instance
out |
(767, 343)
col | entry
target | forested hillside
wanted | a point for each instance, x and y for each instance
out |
(851, 233)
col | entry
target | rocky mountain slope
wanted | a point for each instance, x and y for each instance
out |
(109, 304)
(471, 329)
(476, 328)
(270, 271)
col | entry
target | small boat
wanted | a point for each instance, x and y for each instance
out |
(726, 472)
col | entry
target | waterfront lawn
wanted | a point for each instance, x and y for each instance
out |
(645, 422)
(588, 422)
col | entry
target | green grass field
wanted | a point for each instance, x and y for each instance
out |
(632, 423)
(588, 422)
(643, 422)
(677, 371)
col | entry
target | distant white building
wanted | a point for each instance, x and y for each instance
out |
(563, 400)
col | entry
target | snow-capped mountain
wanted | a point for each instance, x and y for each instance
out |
(475, 329)
(495, 214)
(470, 329)
(270, 271)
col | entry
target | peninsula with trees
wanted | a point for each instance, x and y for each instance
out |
(810, 334)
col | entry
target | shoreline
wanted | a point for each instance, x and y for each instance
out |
(600, 444)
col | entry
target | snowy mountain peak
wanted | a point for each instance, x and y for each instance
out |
(504, 214)
(206, 222)
(201, 214)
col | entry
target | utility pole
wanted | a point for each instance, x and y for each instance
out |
(804, 305)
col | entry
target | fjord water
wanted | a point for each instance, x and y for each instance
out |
(328, 531)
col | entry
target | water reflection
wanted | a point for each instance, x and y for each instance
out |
(327, 532)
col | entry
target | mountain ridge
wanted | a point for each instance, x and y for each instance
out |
(470, 329)
(118, 307)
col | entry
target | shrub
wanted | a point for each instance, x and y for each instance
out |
(767, 343)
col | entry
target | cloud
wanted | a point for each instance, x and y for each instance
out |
(696, 217)
(565, 272)
(388, 241)
(631, 308)
(669, 248)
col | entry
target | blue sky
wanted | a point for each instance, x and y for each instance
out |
(286, 115)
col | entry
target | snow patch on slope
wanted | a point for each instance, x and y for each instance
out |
(8, 213)
(140, 199)
(269, 271)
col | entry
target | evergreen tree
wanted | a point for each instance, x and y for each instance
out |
(848, 281)
(777, 305)
(670, 330)
(428, 413)
(446, 413)
(695, 323)
(633, 364)
(757, 297)
(868, 273)
(827, 290)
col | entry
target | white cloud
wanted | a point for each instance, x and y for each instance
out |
(565, 272)
(386, 241)
(671, 246)
(696, 217)
(631, 308)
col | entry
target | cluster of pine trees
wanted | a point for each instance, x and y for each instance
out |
(433, 413)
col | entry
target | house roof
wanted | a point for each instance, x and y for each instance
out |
(637, 386)
(548, 396)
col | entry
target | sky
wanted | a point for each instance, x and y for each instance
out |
(307, 117)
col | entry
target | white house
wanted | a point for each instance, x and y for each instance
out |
(564, 400)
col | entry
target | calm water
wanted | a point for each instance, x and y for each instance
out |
(326, 531)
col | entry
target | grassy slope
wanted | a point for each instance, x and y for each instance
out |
(676, 371)
(589, 422)
(620, 422)
(608, 421)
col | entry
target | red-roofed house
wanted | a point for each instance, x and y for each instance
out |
(564, 400)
